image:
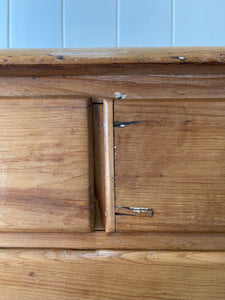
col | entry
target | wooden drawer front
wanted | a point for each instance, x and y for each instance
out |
(170, 165)
(116, 275)
(45, 181)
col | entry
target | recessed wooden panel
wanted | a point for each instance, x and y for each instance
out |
(45, 165)
(170, 165)
(116, 275)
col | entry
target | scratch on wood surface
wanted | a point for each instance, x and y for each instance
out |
(123, 124)
(134, 211)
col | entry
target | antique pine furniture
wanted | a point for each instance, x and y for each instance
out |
(106, 195)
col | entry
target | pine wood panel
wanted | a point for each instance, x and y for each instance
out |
(169, 167)
(45, 163)
(56, 274)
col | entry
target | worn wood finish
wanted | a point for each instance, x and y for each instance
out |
(127, 241)
(162, 55)
(53, 62)
(55, 274)
(45, 161)
(109, 165)
(169, 166)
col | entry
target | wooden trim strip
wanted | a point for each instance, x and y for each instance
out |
(91, 166)
(109, 164)
(162, 55)
(100, 240)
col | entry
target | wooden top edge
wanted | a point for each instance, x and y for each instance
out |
(163, 55)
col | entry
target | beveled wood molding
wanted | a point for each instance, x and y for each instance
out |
(55, 62)
(100, 240)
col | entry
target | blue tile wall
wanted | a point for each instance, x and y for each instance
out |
(35, 24)
(111, 23)
(144, 23)
(90, 23)
(199, 22)
(3, 23)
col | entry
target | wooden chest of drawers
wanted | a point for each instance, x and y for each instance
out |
(112, 174)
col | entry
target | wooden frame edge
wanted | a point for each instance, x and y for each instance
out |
(109, 165)
(99, 240)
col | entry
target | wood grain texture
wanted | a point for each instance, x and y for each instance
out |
(163, 55)
(124, 241)
(109, 165)
(169, 166)
(45, 163)
(136, 85)
(55, 274)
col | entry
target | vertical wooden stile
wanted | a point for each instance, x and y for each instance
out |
(109, 165)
